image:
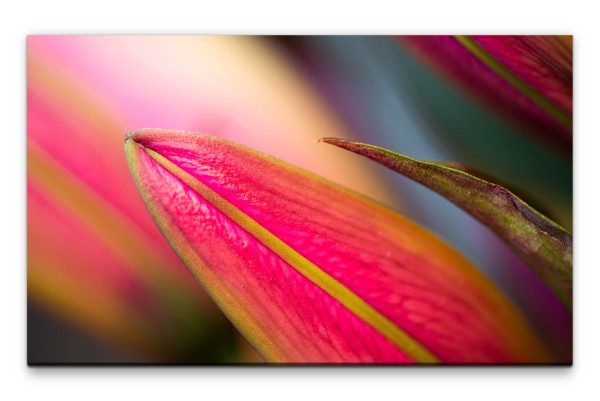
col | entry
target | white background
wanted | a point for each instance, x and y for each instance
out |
(20, 18)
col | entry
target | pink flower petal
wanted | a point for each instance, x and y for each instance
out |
(310, 271)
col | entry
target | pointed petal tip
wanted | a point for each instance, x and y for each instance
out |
(128, 135)
(138, 134)
(331, 140)
(148, 136)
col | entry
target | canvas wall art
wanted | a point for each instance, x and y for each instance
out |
(299, 200)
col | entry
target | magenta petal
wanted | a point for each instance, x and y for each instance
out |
(543, 62)
(311, 272)
(524, 78)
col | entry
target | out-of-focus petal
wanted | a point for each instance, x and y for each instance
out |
(526, 78)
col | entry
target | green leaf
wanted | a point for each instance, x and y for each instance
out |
(543, 244)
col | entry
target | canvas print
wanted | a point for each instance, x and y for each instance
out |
(312, 200)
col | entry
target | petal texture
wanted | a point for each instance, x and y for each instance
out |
(312, 272)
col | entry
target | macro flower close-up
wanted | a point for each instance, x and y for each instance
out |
(299, 200)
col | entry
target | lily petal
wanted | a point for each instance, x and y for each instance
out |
(81, 98)
(311, 272)
(526, 78)
(545, 245)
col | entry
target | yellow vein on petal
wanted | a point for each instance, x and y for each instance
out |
(210, 281)
(550, 107)
(309, 270)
